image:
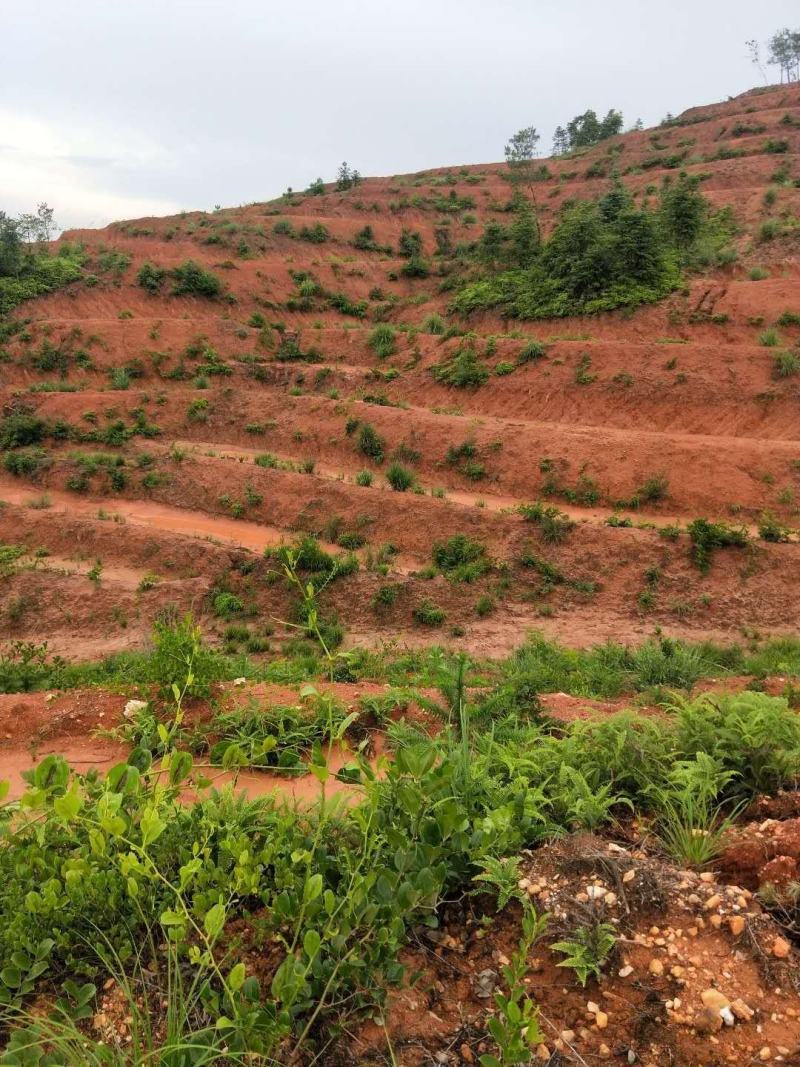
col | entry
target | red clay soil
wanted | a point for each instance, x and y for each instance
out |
(687, 946)
(683, 393)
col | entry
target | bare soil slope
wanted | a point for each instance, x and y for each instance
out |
(186, 392)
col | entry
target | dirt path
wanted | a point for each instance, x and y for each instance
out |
(250, 535)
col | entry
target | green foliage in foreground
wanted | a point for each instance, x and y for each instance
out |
(115, 872)
(38, 275)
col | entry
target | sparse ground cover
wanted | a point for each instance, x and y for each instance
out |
(483, 746)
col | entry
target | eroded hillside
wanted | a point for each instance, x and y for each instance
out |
(177, 436)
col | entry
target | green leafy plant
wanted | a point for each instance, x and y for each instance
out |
(587, 950)
(515, 1026)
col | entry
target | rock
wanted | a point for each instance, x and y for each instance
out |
(737, 924)
(781, 948)
(467, 1055)
(596, 892)
(592, 1008)
(629, 876)
(623, 972)
(604, 1052)
(543, 1053)
(485, 981)
(712, 998)
(727, 1016)
(239, 681)
(708, 1021)
(743, 1012)
(765, 1053)
(601, 1020)
(713, 901)
(656, 968)
(567, 1036)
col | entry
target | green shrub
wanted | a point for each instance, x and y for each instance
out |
(385, 596)
(770, 529)
(460, 558)
(151, 277)
(27, 462)
(39, 274)
(707, 536)
(180, 657)
(19, 430)
(226, 605)
(532, 352)
(434, 323)
(785, 364)
(554, 525)
(400, 478)
(266, 459)
(370, 443)
(775, 146)
(463, 370)
(415, 268)
(193, 280)
(754, 736)
(409, 244)
(426, 613)
(383, 340)
(316, 234)
(769, 338)
(600, 256)
(484, 605)
(197, 411)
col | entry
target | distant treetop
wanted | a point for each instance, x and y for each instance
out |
(586, 130)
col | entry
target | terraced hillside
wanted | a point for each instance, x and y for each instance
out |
(156, 443)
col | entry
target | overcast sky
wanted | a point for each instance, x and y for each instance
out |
(120, 108)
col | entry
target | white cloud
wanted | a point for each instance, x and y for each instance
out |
(78, 171)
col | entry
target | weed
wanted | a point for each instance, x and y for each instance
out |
(587, 951)
(707, 536)
(400, 478)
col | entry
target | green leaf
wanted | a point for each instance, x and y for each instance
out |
(152, 826)
(11, 977)
(236, 977)
(312, 888)
(68, 806)
(214, 920)
(5, 785)
(171, 918)
(180, 766)
(311, 943)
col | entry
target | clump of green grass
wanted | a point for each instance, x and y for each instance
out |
(400, 478)
(460, 558)
(383, 340)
